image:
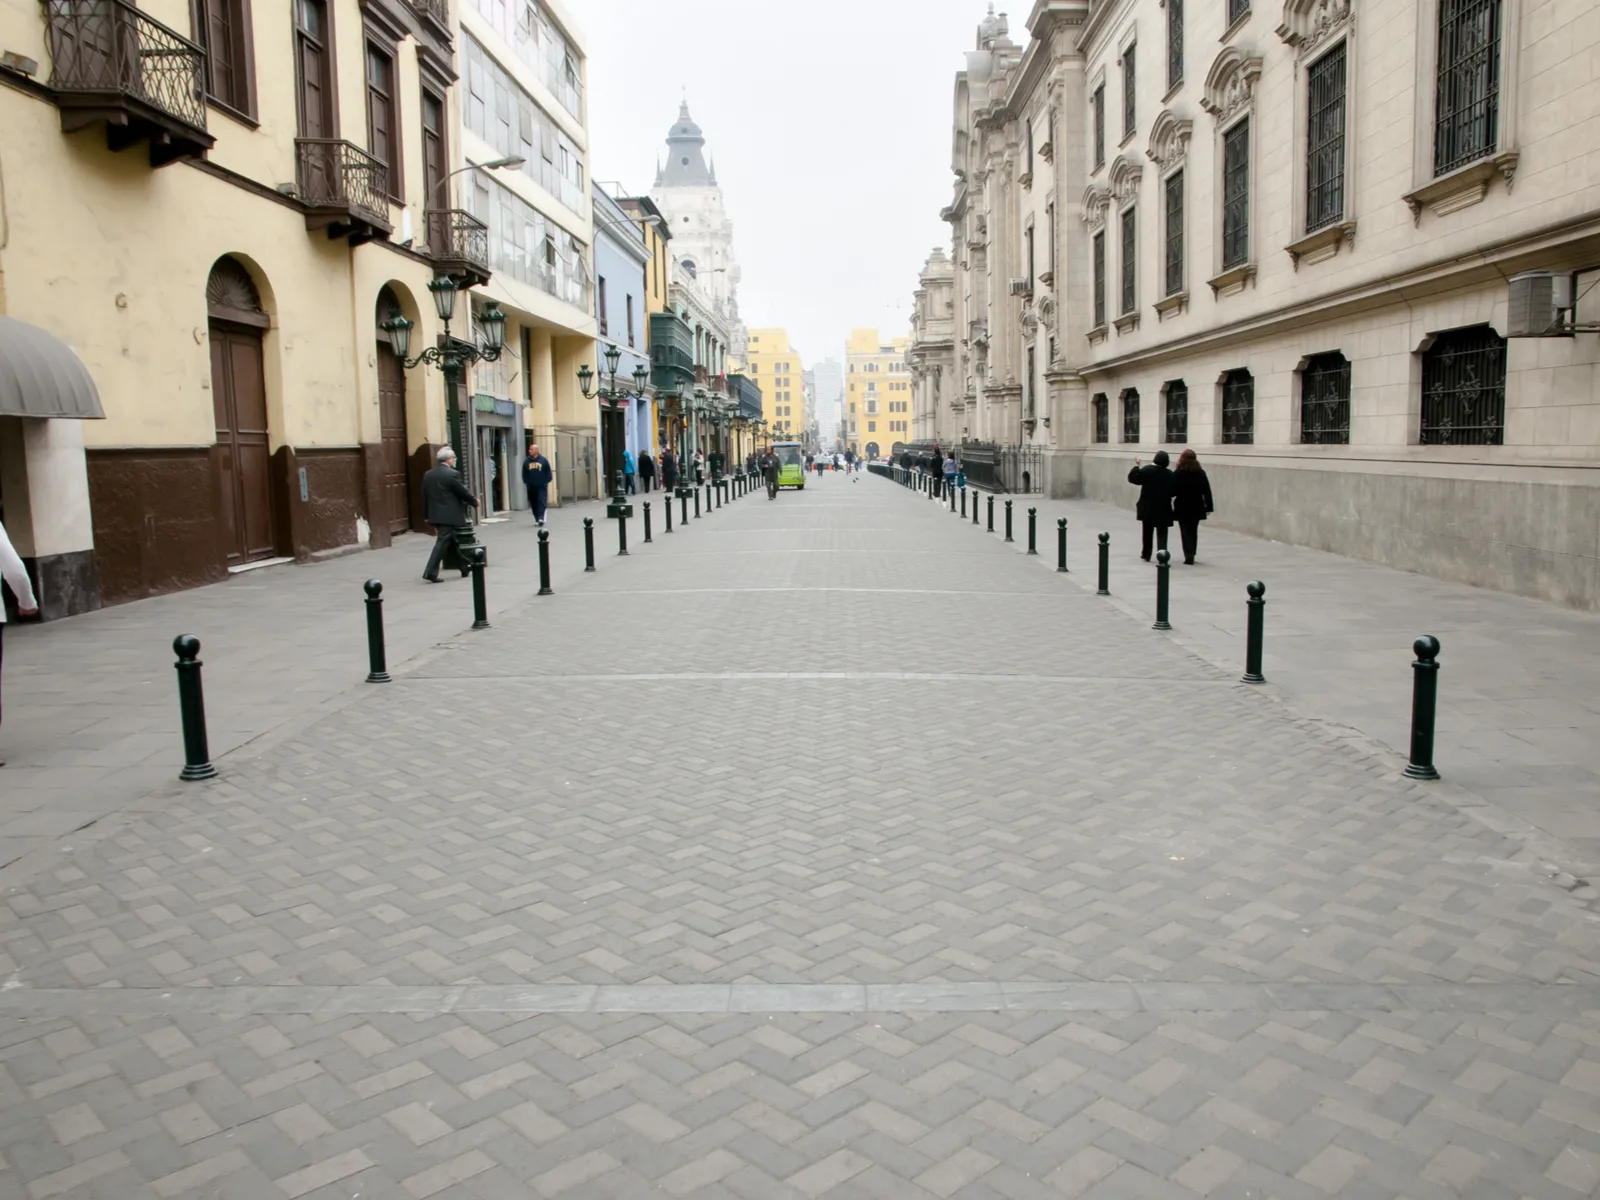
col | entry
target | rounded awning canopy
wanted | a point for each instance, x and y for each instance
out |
(40, 376)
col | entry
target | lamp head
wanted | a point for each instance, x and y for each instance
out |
(585, 378)
(493, 323)
(641, 376)
(444, 296)
(399, 330)
(613, 357)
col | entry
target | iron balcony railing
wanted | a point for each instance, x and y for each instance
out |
(109, 47)
(1017, 469)
(439, 10)
(456, 236)
(332, 173)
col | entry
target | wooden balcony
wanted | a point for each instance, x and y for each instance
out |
(345, 190)
(112, 63)
(459, 245)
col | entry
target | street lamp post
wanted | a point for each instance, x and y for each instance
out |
(453, 356)
(614, 397)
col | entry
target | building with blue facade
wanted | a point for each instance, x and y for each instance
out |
(620, 259)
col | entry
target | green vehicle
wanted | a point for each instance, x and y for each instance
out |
(791, 464)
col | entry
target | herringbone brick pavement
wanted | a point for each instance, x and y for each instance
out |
(716, 766)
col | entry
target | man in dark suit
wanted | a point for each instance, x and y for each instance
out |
(445, 501)
(1155, 501)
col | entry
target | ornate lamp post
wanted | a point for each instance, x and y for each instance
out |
(613, 397)
(453, 356)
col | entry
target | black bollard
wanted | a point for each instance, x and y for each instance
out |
(480, 590)
(717, 489)
(697, 501)
(544, 564)
(952, 498)
(1105, 565)
(588, 543)
(622, 536)
(1033, 541)
(683, 498)
(377, 666)
(192, 710)
(991, 513)
(963, 500)
(647, 536)
(1061, 545)
(666, 507)
(1008, 522)
(1424, 707)
(1255, 630)
(1163, 589)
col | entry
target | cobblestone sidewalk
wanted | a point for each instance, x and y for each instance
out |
(753, 905)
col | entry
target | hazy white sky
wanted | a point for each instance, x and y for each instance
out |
(829, 121)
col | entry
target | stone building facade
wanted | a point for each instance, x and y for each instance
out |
(1285, 232)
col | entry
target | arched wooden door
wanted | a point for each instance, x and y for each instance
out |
(392, 421)
(239, 397)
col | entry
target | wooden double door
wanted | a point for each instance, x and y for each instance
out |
(392, 421)
(244, 451)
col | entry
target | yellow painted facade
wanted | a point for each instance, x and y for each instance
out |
(776, 369)
(112, 255)
(877, 392)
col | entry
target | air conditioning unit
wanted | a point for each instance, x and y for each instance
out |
(1540, 305)
(1022, 287)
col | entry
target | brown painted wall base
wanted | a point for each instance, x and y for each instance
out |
(65, 584)
(421, 463)
(336, 495)
(154, 524)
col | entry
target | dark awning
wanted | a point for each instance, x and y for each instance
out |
(40, 376)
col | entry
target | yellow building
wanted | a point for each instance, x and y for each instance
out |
(218, 207)
(776, 369)
(877, 393)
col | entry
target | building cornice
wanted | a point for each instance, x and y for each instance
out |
(1100, 18)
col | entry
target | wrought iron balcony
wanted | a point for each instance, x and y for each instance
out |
(459, 244)
(345, 189)
(439, 10)
(112, 63)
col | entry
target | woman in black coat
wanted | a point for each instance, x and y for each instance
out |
(1155, 500)
(1191, 501)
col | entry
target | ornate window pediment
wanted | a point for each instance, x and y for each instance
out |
(1308, 23)
(1124, 178)
(1231, 83)
(1169, 140)
(1096, 204)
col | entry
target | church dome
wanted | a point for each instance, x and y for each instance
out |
(685, 129)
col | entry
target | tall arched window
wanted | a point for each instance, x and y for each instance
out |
(1130, 415)
(1177, 414)
(1102, 417)
(1238, 408)
(1464, 388)
(1325, 400)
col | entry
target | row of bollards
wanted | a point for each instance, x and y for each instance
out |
(1425, 670)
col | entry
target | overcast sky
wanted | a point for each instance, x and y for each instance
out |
(829, 122)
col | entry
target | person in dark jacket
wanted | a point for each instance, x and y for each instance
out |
(936, 472)
(647, 471)
(1191, 501)
(1155, 501)
(537, 475)
(445, 500)
(669, 470)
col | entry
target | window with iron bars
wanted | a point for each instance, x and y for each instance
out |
(1467, 92)
(1325, 401)
(1325, 140)
(1464, 388)
(1100, 126)
(1174, 43)
(1130, 261)
(1099, 279)
(1130, 415)
(1177, 414)
(1102, 417)
(1238, 408)
(1130, 118)
(1174, 189)
(1237, 9)
(1236, 195)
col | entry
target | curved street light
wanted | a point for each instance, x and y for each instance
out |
(606, 391)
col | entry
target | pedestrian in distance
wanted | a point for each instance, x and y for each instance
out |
(16, 578)
(629, 473)
(669, 470)
(445, 501)
(1155, 501)
(647, 471)
(537, 476)
(769, 473)
(1191, 501)
(950, 474)
(936, 469)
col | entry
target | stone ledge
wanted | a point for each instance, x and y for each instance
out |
(1321, 245)
(1463, 187)
(1171, 306)
(1127, 322)
(1234, 279)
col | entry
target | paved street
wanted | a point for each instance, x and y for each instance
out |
(827, 847)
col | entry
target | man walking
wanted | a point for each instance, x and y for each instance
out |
(537, 477)
(936, 473)
(769, 472)
(1155, 501)
(669, 469)
(628, 472)
(445, 501)
(647, 471)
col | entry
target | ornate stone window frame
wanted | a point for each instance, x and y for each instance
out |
(1127, 40)
(1230, 97)
(1126, 174)
(1169, 151)
(1312, 29)
(1097, 81)
(1467, 185)
(1095, 208)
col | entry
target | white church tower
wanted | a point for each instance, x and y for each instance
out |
(687, 194)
